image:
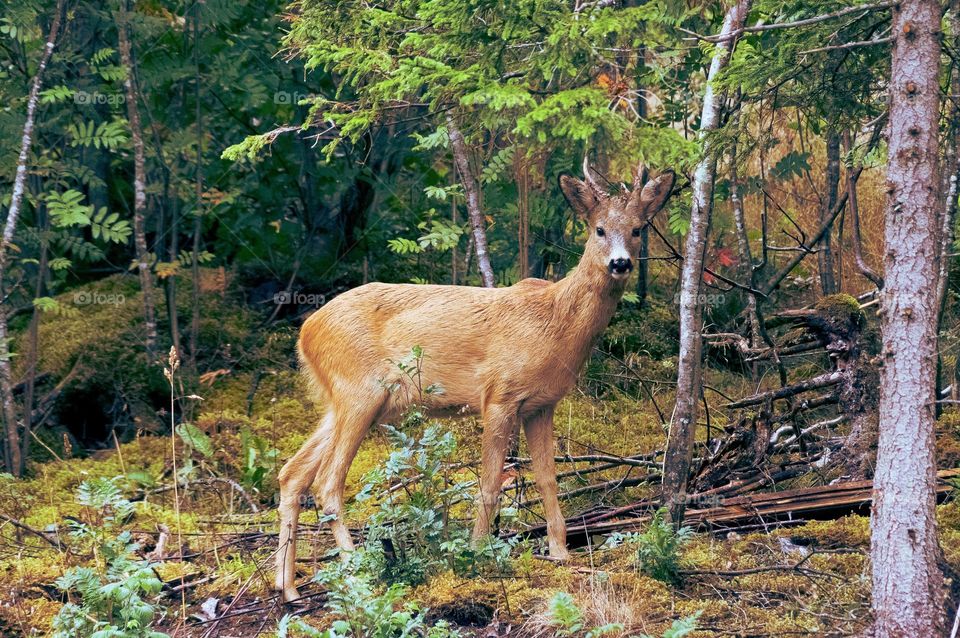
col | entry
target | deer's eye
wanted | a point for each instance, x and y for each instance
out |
(600, 232)
(636, 232)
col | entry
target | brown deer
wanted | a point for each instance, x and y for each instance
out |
(509, 354)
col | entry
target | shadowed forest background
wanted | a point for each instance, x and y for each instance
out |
(183, 184)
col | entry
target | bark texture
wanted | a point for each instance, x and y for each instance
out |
(472, 191)
(907, 583)
(139, 186)
(828, 282)
(12, 457)
(862, 264)
(679, 453)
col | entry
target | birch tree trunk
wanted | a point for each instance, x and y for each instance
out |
(472, 191)
(12, 457)
(679, 453)
(139, 185)
(907, 583)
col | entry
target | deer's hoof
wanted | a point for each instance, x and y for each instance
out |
(559, 553)
(290, 595)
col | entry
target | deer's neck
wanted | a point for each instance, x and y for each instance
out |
(585, 303)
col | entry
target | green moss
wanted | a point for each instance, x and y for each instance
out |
(841, 313)
(848, 531)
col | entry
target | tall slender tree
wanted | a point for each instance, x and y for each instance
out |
(12, 457)
(679, 454)
(907, 583)
(139, 181)
(825, 259)
(471, 189)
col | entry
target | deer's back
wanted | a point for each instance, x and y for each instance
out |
(477, 342)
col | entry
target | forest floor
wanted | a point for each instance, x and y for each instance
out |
(739, 584)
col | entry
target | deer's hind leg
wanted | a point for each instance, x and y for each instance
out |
(352, 425)
(295, 479)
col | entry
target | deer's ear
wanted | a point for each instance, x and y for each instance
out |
(579, 195)
(653, 196)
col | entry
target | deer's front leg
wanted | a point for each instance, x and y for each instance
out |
(500, 425)
(539, 431)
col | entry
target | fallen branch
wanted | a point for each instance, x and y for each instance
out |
(821, 381)
(638, 460)
(26, 528)
(600, 487)
(816, 426)
(798, 566)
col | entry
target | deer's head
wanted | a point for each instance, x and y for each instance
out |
(615, 221)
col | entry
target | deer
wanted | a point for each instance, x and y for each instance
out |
(509, 354)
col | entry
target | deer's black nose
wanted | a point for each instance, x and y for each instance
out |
(621, 265)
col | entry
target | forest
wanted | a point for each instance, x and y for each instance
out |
(479, 318)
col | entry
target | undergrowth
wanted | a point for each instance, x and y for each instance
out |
(115, 598)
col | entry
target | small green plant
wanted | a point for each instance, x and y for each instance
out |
(110, 599)
(679, 628)
(258, 458)
(411, 384)
(658, 547)
(363, 610)
(195, 442)
(411, 535)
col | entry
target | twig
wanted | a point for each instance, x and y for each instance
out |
(30, 530)
(866, 8)
(639, 460)
(211, 480)
(798, 566)
(850, 45)
(600, 487)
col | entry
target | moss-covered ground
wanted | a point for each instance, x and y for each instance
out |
(228, 548)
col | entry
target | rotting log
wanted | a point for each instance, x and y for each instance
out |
(771, 509)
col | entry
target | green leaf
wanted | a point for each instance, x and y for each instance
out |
(195, 438)
(68, 209)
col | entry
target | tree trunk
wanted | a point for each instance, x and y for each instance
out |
(643, 259)
(825, 256)
(679, 452)
(643, 267)
(862, 264)
(747, 270)
(907, 583)
(139, 185)
(12, 440)
(472, 191)
(198, 209)
(33, 342)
